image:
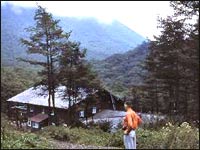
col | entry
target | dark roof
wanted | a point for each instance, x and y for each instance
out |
(39, 117)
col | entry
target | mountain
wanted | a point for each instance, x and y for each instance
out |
(119, 72)
(101, 40)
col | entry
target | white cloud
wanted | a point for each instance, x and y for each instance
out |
(140, 16)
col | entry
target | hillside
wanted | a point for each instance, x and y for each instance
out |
(101, 40)
(60, 137)
(121, 71)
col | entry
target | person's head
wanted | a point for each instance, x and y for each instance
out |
(127, 105)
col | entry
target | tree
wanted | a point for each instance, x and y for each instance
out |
(76, 75)
(172, 63)
(46, 39)
(14, 81)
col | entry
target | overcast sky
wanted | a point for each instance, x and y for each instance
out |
(140, 16)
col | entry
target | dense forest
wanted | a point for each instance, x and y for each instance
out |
(171, 83)
(120, 72)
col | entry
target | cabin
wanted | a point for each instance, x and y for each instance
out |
(38, 121)
(32, 105)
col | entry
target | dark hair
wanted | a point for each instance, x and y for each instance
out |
(128, 103)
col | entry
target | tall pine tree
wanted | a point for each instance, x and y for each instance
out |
(76, 75)
(46, 39)
(173, 63)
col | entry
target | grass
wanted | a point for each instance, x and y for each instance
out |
(11, 138)
(93, 136)
(168, 137)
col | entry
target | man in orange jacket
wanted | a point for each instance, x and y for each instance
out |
(130, 124)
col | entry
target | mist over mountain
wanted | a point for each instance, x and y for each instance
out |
(101, 39)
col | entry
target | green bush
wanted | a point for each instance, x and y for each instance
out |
(59, 133)
(90, 136)
(182, 137)
(119, 125)
(105, 126)
(94, 136)
(17, 140)
(78, 123)
(11, 138)
(169, 137)
(116, 139)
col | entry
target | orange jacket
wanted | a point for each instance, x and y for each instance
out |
(131, 120)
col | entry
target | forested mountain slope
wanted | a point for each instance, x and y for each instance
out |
(121, 71)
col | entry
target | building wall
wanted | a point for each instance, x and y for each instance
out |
(102, 102)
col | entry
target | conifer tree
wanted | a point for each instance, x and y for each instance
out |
(45, 40)
(173, 63)
(76, 75)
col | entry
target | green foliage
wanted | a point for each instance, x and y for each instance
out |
(14, 139)
(121, 71)
(87, 136)
(14, 81)
(116, 139)
(59, 133)
(23, 141)
(169, 137)
(172, 65)
(76, 75)
(46, 39)
(105, 125)
(77, 123)
(76, 135)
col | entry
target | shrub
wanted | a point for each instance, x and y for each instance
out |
(116, 139)
(78, 123)
(59, 133)
(169, 137)
(119, 125)
(17, 140)
(14, 139)
(182, 137)
(106, 126)
(90, 136)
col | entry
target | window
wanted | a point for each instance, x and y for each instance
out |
(35, 125)
(29, 123)
(81, 114)
(31, 109)
(71, 103)
(52, 113)
(94, 110)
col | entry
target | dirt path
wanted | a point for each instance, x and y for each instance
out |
(67, 145)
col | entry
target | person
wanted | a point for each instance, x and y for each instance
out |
(131, 122)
